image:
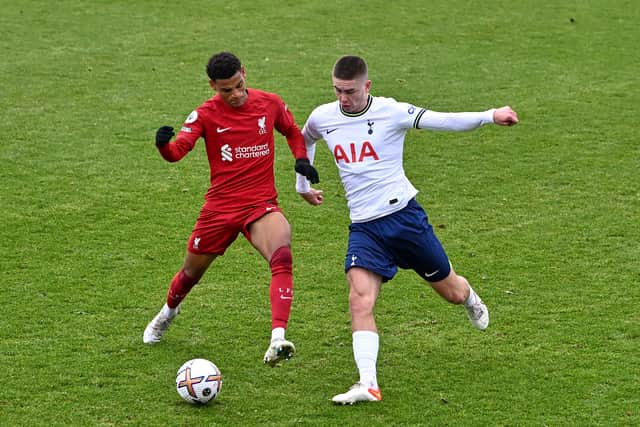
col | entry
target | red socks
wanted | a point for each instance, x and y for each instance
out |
(281, 287)
(180, 287)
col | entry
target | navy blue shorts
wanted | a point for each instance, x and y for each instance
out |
(403, 239)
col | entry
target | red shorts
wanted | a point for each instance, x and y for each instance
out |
(214, 232)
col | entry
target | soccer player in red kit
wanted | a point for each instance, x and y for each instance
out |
(237, 125)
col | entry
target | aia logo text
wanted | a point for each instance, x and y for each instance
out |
(354, 153)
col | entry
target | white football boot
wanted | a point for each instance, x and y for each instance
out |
(358, 393)
(478, 315)
(278, 350)
(157, 327)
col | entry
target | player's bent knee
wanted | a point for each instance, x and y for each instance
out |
(196, 265)
(360, 304)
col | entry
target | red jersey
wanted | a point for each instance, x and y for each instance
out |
(240, 147)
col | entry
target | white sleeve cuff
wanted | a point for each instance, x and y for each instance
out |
(302, 184)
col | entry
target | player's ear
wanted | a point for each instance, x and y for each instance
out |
(367, 86)
(243, 73)
(212, 83)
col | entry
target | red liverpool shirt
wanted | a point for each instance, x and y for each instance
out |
(240, 147)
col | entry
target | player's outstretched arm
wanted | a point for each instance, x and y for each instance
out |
(505, 116)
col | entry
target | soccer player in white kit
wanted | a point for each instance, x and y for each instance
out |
(389, 229)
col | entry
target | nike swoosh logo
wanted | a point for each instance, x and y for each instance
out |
(432, 274)
(331, 130)
(220, 130)
(270, 208)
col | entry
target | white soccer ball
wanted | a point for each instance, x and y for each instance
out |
(198, 381)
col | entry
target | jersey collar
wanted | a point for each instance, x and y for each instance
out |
(359, 113)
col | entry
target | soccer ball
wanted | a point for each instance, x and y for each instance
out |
(198, 381)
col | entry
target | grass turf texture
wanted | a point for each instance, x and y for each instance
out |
(542, 218)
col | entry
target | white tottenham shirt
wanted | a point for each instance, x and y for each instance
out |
(367, 148)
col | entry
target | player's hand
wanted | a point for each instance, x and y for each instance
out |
(505, 116)
(303, 167)
(164, 135)
(313, 197)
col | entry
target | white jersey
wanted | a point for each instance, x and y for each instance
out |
(367, 148)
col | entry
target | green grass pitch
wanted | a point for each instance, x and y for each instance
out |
(542, 218)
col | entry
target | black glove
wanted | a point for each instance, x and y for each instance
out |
(164, 135)
(303, 167)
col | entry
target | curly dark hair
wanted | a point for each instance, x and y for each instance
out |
(350, 67)
(223, 65)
